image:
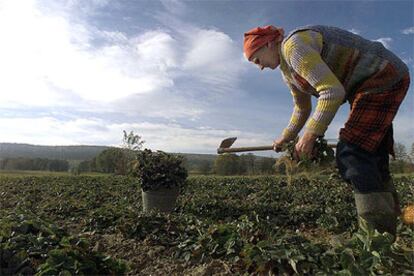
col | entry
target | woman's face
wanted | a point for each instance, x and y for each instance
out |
(266, 57)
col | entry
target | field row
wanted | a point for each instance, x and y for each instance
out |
(234, 225)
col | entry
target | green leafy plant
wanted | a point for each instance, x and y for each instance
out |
(322, 153)
(158, 170)
(30, 245)
(368, 252)
(72, 257)
(321, 158)
(132, 141)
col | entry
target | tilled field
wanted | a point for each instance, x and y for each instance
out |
(222, 225)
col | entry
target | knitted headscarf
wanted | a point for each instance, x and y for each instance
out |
(258, 37)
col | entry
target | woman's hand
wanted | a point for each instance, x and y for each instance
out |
(278, 144)
(304, 147)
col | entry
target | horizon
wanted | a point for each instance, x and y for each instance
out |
(173, 72)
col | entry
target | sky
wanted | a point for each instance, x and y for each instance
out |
(79, 72)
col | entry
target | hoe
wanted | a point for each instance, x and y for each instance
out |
(225, 146)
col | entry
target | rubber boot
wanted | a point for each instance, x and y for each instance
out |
(379, 210)
(389, 187)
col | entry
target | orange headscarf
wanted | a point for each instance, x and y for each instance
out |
(258, 37)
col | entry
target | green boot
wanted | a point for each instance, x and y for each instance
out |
(389, 187)
(379, 209)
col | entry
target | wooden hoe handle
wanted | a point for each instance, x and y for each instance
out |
(226, 150)
(242, 149)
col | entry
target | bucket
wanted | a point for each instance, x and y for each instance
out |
(162, 200)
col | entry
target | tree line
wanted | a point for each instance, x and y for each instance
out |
(36, 164)
(116, 160)
(404, 159)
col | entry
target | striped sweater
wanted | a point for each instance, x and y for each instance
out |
(330, 64)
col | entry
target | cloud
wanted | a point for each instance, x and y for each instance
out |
(48, 131)
(386, 41)
(355, 31)
(214, 60)
(174, 107)
(409, 30)
(404, 129)
(408, 60)
(42, 52)
(87, 81)
(55, 53)
(167, 137)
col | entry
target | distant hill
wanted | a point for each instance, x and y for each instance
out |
(15, 150)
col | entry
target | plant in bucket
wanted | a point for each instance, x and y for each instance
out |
(161, 176)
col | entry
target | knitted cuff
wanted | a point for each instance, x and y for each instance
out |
(288, 135)
(315, 127)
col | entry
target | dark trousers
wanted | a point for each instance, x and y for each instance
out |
(365, 171)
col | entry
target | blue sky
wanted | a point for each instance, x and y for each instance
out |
(80, 72)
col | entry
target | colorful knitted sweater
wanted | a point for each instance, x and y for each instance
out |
(330, 64)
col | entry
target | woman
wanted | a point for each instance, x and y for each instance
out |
(338, 66)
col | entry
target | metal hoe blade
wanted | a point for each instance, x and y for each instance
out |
(228, 142)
